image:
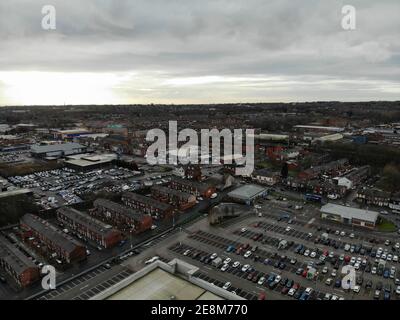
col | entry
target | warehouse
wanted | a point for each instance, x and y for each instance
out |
(157, 209)
(123, 218)
(17, 265)
(347, 215)
(55, 240)
(198, 189)
(88, 227)
(247, 193)
(179, 199)
(87, 162)
(58, 150)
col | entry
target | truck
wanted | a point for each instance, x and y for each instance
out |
(216, 262)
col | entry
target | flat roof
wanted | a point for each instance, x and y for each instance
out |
(247, 191)
(161, 285)
(350, 213)
(56, 147)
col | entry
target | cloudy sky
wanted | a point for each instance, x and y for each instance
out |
(198, 51)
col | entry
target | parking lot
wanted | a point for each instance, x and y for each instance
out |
(305, 266)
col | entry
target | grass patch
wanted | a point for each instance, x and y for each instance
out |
(386, 226)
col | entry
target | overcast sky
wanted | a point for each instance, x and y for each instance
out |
(203, 51)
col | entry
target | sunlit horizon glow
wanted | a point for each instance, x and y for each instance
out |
(170, 52)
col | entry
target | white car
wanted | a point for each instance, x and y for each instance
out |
(261, 281)
(313, 254)
(325, 270)
(213, 256)
(243, 230)
(384, 212)
(389, 257)
(226, 285)
(395, 259)
(357, 265)
(373, 271)
(308, 290)
(214, 195)
(186, 252)
(307, 253)
(227, 260)
(351, 235)
(353, 260)
(278, 278)
(245, 267)
(342, 233)
(247, 254)
(397, 245)
(398, 290)
(333, 273)
(288, 229)
(257, 206)
(225, 267)
(356, 289)
(236, 264)
(331, 254)
(292, 291)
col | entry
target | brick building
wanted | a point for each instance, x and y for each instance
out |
(122, 217)
(88, 227)
(17, 265)
(196, 188)
(150, 206)
(179, 199)
(55, 240)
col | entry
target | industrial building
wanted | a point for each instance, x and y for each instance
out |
(347, 215)
(58, 150)
(122, 217)
(247, 193)
(89, 227)
(196, 188)
(179, 199)
(17, 265)
(150, 206)
(55, 240)
(87, 162)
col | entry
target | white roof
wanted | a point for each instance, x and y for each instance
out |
(350, 213)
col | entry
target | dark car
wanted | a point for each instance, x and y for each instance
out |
(284, 290)
(2, 279)
(299, 271)
(298, 294)
(338, 283)
(378, 286)
(283, 281)
(250, 276)
(282, 265)
(276, 264)
(289, 284)
(368, 284)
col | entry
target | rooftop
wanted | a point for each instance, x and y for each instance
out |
(247, 191)
(119, 208)
(147, 200)
(15, 258)
(56, 147)
(50, 232)
(89, 222)
(350, 213)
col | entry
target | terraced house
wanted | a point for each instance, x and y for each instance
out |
(88, 227)
(55, 240)
(179, 199)
(122, 217)
(150, 206)
(17, 265)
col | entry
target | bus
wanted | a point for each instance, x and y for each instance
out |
(313, 197)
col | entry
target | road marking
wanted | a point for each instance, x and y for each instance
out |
(84, 287)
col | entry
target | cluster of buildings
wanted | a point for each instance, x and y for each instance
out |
(50, 240)
(372, 196)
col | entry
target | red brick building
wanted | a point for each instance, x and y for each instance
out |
(196, 188)
(122, 217)
(89, 227)
(17, 265)
(150, 206)
(55, 240)
(179, 199)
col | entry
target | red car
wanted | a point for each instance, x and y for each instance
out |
(347, 258)
(246, 246)
(261, 296)
(304, 274)
(296, 286)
